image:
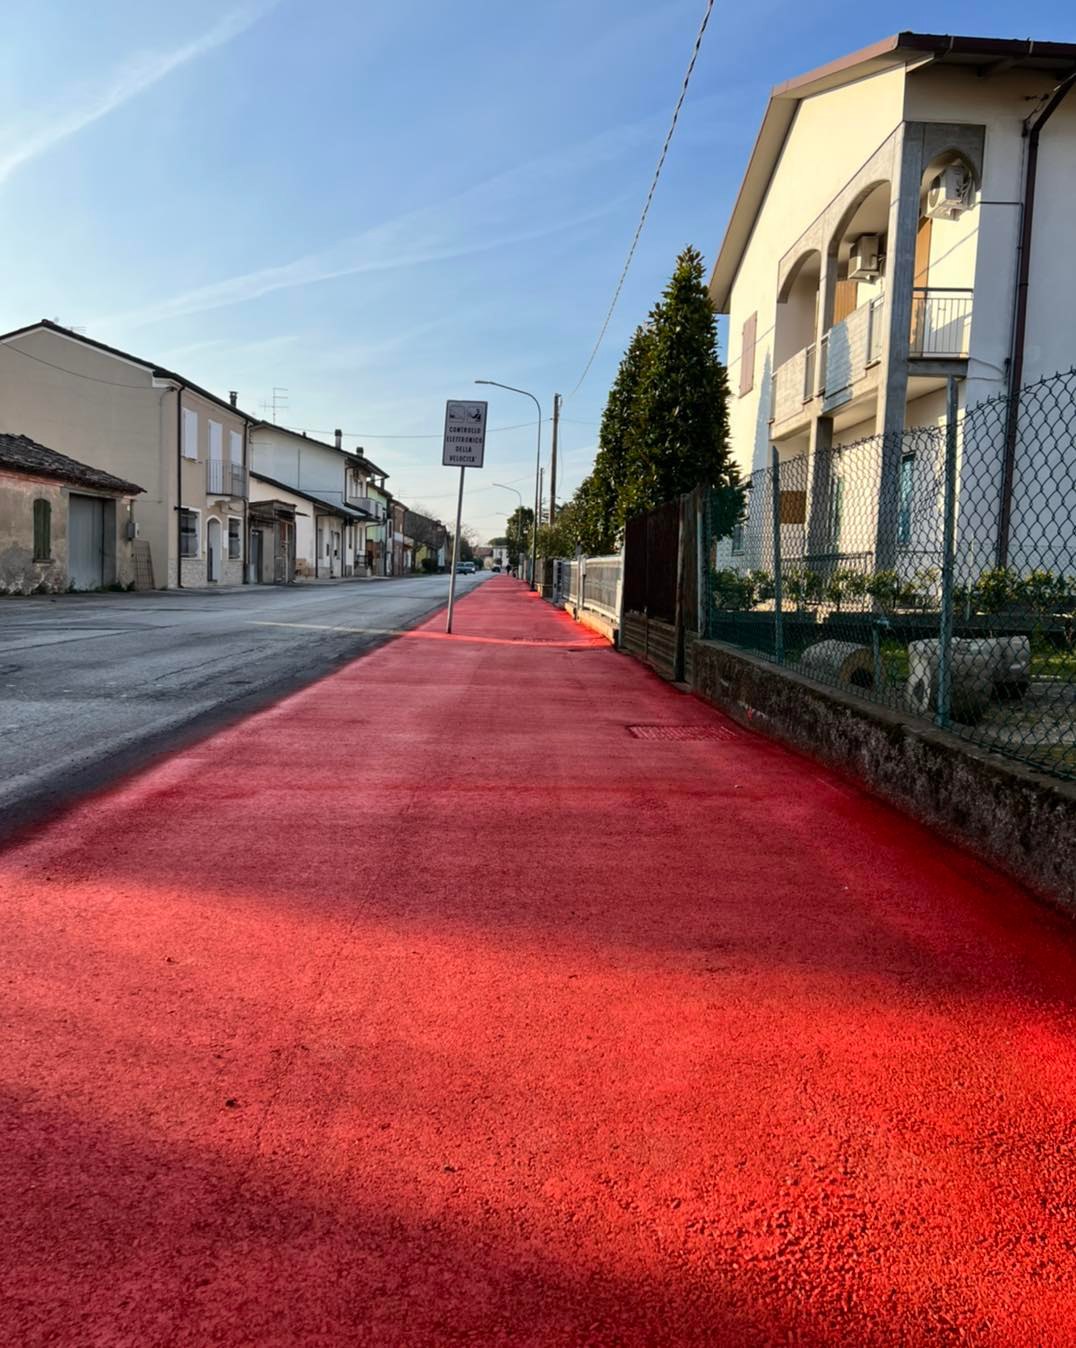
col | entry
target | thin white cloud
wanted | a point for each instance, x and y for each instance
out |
(135, 78)
(256, 347)
(500, 205)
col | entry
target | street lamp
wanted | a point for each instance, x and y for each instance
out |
(505, 487)
(537, 469)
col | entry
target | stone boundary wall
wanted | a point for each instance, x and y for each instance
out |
(1012, 817)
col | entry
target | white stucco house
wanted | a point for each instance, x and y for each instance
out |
(904, 217)
(339, 499)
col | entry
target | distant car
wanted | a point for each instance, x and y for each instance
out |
(465, 568)
(495, 567)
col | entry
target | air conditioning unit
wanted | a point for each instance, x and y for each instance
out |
(949, 194)
(864, 263)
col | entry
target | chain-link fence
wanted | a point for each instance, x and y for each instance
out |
(933, 571)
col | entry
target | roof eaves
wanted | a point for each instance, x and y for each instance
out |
(18, 453)
(298, 435)
(344, 511)
(158, 371)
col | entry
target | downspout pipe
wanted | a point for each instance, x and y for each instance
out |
(179, 486)
(1032, 129)
(244, 549)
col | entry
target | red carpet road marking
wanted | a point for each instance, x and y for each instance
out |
(431, 1006)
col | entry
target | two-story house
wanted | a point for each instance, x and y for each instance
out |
(141, 423)
(366, 492)
(333, 498)
(903, 218)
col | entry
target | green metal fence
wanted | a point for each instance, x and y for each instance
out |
(932, 571)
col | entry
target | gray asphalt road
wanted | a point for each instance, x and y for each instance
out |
(94, 685)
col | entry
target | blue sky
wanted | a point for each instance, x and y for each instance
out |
(373, 204)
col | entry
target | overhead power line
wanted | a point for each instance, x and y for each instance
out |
(649, 197)
(426, 435)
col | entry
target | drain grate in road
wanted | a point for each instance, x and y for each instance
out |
(682, 732)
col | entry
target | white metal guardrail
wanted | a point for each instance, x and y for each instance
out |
(600, 585)
(589, 583)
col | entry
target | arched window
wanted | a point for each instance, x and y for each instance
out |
(42, 531)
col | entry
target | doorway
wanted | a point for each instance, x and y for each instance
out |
(86, 542)
(255, 556)
(212, 553)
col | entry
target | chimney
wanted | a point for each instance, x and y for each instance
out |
(233, 398)
(339, 438)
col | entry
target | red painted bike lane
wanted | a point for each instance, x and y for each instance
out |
(435, 1005)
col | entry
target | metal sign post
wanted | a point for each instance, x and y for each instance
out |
(464, 447)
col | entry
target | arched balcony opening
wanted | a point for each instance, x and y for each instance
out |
(945, 252)
(855, 298)
(858, 253)
(797, 307)
(795, 366)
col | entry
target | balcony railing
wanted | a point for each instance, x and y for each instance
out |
(833, 365)
(224, 478)
(874, 330)
(369, 504)
(941, 322)
(789, 385)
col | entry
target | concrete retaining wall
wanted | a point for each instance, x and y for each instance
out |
(596, 622)
(1013, 817)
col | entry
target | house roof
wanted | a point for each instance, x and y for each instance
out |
(158, 371)
(24, 455)
(317, 498)
(987, 55)
(272, 506)
(368, 463)
(323, 444)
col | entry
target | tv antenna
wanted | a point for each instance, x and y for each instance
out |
(277, 402)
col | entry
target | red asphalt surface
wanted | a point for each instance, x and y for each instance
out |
(431, 1006)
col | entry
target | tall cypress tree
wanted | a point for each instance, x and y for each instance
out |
(609, 489)
(680, 436)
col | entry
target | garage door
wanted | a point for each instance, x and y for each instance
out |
(86, 542)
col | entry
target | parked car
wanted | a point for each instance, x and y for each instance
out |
(495, 567)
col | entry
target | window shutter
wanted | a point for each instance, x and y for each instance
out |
(190, 433)
(216, 441)
(845, 300)
(793, 507)
(42, 531)
(747, 355)
(235, 447)
(922, 252)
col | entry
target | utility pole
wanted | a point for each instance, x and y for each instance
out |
(553, 460)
